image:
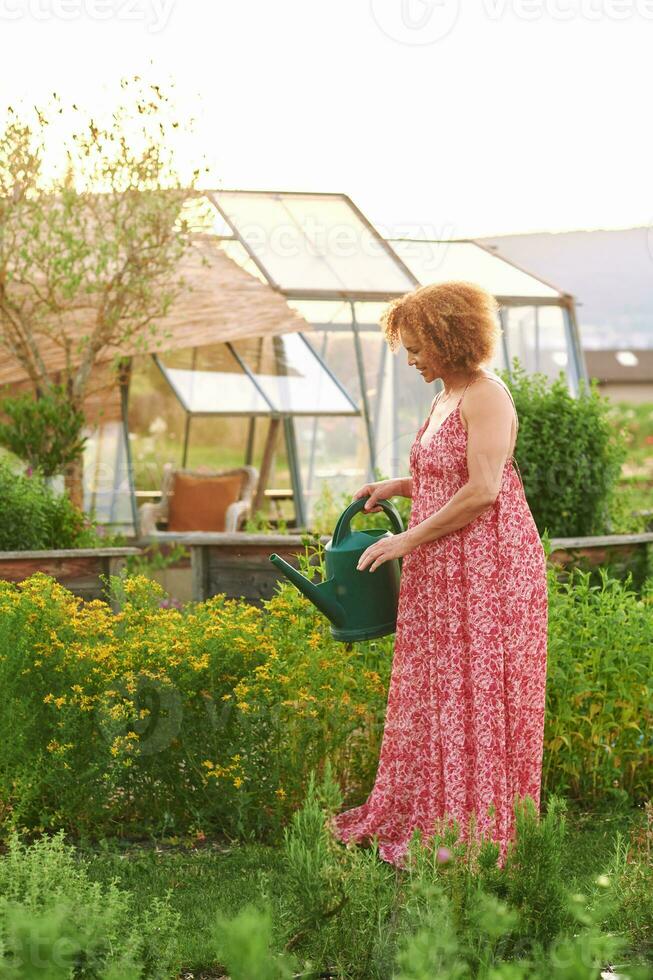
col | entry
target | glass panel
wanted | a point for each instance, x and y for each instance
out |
(333, 458)
(157, 425)
(206, 391)
(369, 313)
(537, 336)
(435, 261)
(336, 348)
(312, 241)
(241, 256)
(403, 405)
(322, 311)
(107, 495)
(210, 380)
(220, 443)
(291, 376)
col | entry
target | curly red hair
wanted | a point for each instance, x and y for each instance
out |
(456, 322)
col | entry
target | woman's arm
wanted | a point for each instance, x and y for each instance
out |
(400, 486)
(405, 486)
(489, 414)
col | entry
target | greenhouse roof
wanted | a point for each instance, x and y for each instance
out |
(319, 246)
(433, 261)
(312, 245)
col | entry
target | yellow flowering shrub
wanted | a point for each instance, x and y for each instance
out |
(154, 718)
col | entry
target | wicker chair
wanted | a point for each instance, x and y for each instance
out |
(235, 512)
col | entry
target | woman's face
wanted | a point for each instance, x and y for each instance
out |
(418, 357)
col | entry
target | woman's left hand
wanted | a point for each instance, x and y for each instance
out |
(386, 549)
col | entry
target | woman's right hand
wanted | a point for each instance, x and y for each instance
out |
(381, 490)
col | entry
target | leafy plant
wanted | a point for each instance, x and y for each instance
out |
(258, 523)
(34, 517)
(152, 558)
(599, 694)
(631, 869)
(45, 432)
(54, 918)
(569, 452)
(243, 943)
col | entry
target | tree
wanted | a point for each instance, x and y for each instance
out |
(92, 232)
(46, 432)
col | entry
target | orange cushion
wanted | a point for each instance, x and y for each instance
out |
(199, 503)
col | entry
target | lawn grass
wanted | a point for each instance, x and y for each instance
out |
(203, 880)
(216, 876)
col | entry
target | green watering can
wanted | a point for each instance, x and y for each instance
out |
(360, 605)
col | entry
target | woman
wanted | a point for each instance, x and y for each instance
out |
(464, 723)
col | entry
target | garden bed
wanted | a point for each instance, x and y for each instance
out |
(234, 563)
(81, 570)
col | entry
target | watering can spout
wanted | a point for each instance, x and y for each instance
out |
(322, 595)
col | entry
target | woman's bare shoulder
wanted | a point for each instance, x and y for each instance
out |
(481, 397)
(477, 390)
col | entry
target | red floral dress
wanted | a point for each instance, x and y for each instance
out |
(464, 725)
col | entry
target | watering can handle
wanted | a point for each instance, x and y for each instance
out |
(342, 527)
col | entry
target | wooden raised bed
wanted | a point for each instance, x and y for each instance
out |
(626, 553)
(599, 549)
(235, 563)
(78, 569)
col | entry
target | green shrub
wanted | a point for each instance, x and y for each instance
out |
(35, 518)
(55, 921)
(569, 451)
(599, 709)
(204, 717)
(45, 432)
(451, 913)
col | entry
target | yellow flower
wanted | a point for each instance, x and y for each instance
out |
(238, 782)
(208, 764)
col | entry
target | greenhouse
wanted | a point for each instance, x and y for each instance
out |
(335, 270)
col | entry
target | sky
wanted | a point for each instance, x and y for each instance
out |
(439, 118)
